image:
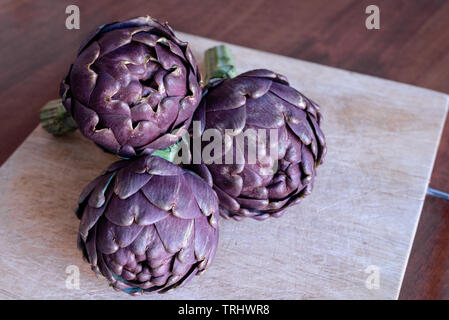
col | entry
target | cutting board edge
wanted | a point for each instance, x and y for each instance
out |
(12, 155)
(412, 240)
(372, 77)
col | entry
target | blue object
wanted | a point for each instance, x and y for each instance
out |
(438, 193)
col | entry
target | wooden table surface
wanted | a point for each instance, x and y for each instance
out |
(412, 46)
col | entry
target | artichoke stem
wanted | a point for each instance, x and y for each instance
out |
(219, 64)
(169, 153)
(55, 119)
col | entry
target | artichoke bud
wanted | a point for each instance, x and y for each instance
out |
(285, 168)
(135, 239)
(130, 85)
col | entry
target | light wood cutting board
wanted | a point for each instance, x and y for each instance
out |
(382, 139)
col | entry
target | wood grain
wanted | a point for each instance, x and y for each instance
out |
(364, 210)
(412, 46)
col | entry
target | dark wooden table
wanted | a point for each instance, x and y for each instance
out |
(411, 46)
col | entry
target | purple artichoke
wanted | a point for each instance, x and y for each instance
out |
(262, 99)
(147, 225)
(133, 87)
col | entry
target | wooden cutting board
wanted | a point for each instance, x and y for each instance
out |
(357, 227)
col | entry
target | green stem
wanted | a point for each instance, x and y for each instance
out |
(219, 64)
(168, 153)
(55, 119)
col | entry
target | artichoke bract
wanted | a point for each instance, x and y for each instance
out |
(261, 99)
(148, 225)
(133, 87)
